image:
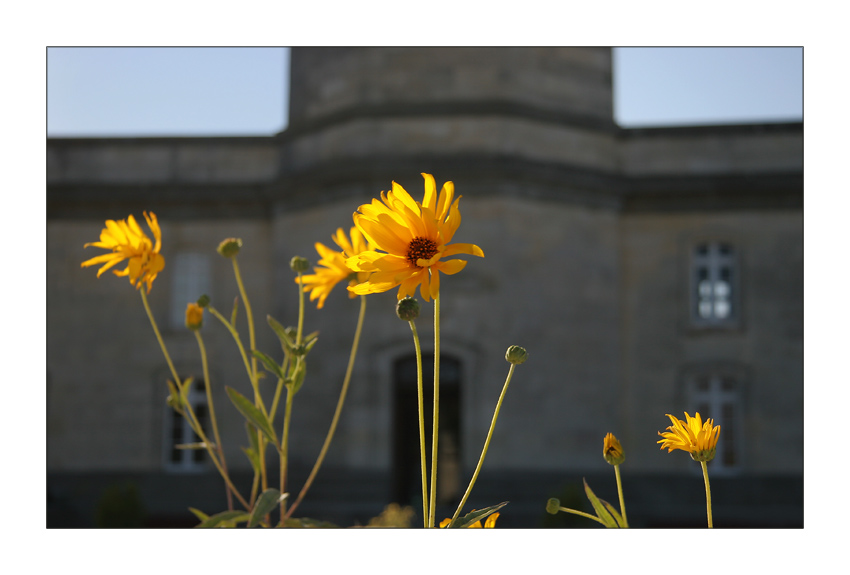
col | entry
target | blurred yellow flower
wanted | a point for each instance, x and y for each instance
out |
(697, 438)
(612, 451)
(332, 268)
(414, 237)
(194, 316)
(489, 523)
(127, 241)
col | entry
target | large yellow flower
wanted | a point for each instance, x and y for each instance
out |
(414, 238)
(697, 438)
(489, 523)
(128, 242)
(334, 270)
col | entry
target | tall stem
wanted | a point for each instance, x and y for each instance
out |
(339, 405)
(177, 380)
(486, 442)
(423, 464)
(284, 450)
(620, 492)
(436, 424)
(208, 388)
(707, 493)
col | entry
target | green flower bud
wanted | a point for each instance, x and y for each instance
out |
(299, 264)
(552, 506)
(407, 308)
(203, 301)
(230, 247)
(516, 355)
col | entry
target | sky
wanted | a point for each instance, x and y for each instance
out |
(125, 92)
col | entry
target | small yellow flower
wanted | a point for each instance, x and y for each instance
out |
(128, 242)
(697, 438)
(413, 238)
(332, 268)
(489, 523)
(612, 451)
(194, 316)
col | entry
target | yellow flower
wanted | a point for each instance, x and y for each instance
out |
(335, 270)
(612, 451)
(414, 237)
(697, 438)
(194, 316)
(489, 523)
(128, 242)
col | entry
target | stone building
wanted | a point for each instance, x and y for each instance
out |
(647, 271)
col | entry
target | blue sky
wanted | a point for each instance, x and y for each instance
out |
(244, 91)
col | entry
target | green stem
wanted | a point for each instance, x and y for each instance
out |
(196, 427)
(423, 464)
(583, 514)
(339, 405)
(486, 442)
(177, 380)
(208, 387)
(252, 376)
(284, 450)
(300, 312)
(707, 493)
(436, 423)
(620, 492)
(248, 314)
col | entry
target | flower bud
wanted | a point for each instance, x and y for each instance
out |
(516, 355)
(204, 300)
(552, 506)
(299, 264)
(194, 316)
(612, 451)
(407, 308)
(230, 247)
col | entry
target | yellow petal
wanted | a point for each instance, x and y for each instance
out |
(430, 199)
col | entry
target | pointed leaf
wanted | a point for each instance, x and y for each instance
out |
(199, 514)
(268, 500)
(616, 514)
(253, 458)
(224, 518)
(269, 363)
(285, 341)
(601, 512)
(474, 516)
(257, 418)
(297, 379)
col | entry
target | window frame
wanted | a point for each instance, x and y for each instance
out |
(189, 462)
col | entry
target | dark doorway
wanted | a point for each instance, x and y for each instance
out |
(407, 480)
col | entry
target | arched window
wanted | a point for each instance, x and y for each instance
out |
(407, 474)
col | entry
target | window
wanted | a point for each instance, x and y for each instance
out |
(178, 432)
(714, 297)
(407, 480)
(192, 279)
(718, 396)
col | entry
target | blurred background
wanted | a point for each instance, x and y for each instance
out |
(641, 214)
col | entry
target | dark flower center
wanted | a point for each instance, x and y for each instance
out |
(420, 248)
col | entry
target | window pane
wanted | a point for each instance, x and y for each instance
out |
(721, 309)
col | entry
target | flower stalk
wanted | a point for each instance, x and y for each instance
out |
(707, 493)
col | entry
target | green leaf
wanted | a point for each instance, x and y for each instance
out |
(224, 519)
(285, 341)
(269, 363)
(253, 458)
(174, 399)
(601, 512)
(185, 388)
(268, 500)
(621, 523)
(310, 341)
(200, 445)
(306, 522)
(233, 313)
(199, 514)
(474, 516)
(257, 418)
(297, 379)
